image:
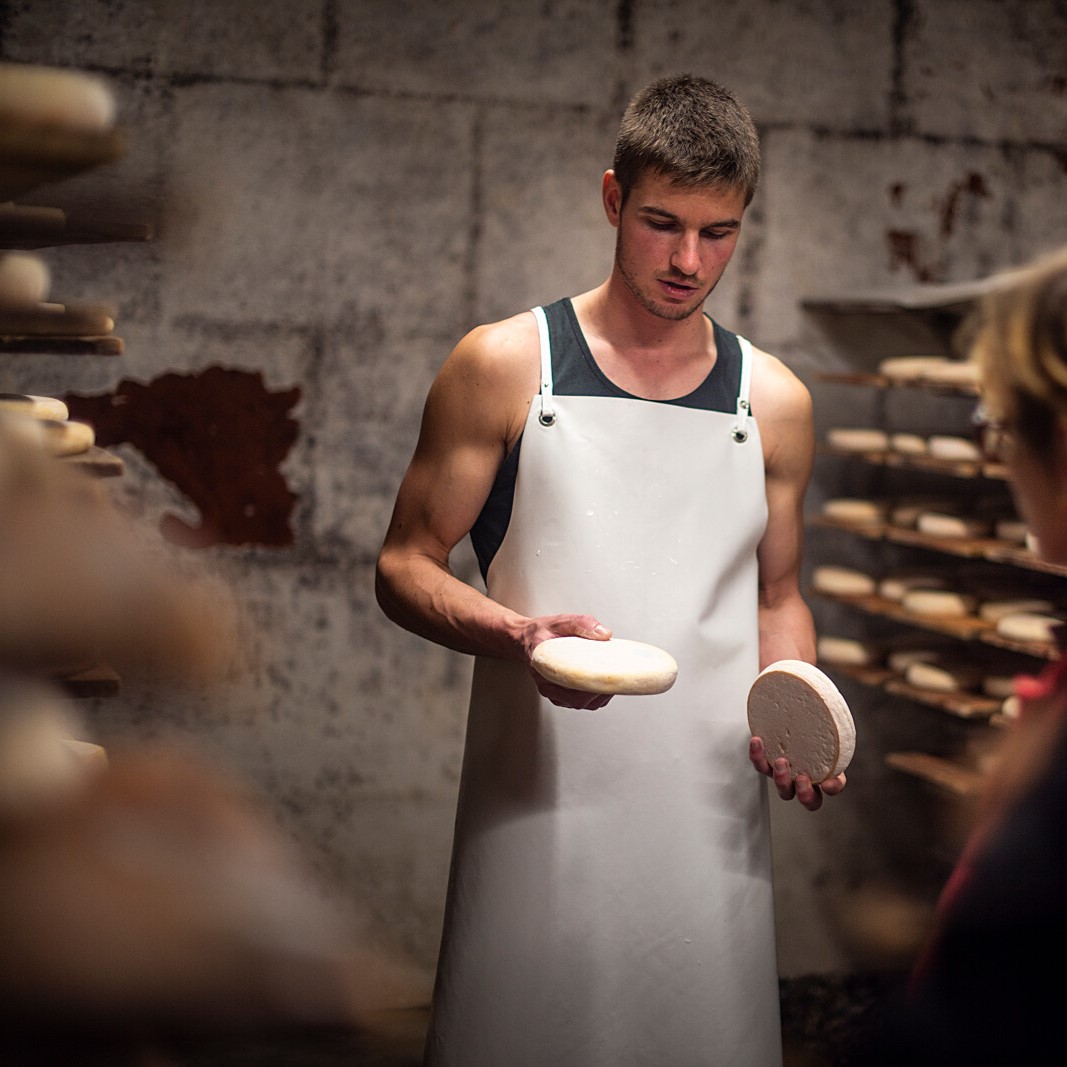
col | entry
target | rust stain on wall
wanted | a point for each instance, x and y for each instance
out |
(974, 186)
(220, 436)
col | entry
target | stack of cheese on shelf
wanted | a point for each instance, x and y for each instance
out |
(53, 123)
(932, 370)
(24, 282)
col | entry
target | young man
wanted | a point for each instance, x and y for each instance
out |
(623, 466)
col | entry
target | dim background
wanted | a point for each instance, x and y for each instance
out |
(340, 189)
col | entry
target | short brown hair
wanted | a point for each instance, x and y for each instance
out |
(692, 130)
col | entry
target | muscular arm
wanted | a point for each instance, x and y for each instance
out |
(786, 629)
(783, 406)
(474, 414)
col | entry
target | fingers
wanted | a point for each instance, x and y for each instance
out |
(807, 793)
(570, 698)
(758, 757)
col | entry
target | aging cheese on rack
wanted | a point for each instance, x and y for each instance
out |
(941, 524)
(960, 372)
(908, 444)
(945, 603)
(995, 610)
(1029, 626)
(49, 96)
(895, 586)
(947, 446)
(1011, 530)
(909, 368)
(38, 407)
(842, 581)
(848, 651)
(855, 511)
(941, 676)
(24, 279)
(857, 439)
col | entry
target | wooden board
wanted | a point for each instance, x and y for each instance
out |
(955, 779)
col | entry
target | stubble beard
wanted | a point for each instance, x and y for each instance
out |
(672, 313)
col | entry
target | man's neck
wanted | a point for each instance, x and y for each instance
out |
(641, 352)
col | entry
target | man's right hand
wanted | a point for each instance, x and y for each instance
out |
(545, 628)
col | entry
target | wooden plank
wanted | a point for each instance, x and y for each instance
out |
(108, 345)
(961, 704)
(952, 777)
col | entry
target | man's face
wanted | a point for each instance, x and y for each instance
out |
(673, 243)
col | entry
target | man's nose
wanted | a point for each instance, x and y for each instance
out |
(686, 257)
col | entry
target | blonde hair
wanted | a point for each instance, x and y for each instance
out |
(1019, 340)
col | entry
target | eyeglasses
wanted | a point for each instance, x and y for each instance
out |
(993, 435)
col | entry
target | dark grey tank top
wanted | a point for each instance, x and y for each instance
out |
(575, 373)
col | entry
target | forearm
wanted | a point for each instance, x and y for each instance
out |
(786, 629)
(422, 595)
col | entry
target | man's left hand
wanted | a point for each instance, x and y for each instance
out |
(802, 788)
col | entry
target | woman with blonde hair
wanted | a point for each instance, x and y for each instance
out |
(988, 988)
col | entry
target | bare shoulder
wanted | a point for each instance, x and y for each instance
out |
(777, 393)
(494, 371)
(781, 404)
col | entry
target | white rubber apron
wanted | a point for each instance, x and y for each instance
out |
(610, 898)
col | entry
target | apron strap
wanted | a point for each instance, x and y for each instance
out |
(744, 408)
(548, 411)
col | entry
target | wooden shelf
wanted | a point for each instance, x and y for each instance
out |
(109, 345)
(97, 681)
(917, 462)
(963, 628)
(25, 227)
(945, 774)
(964, 705)
(97, 462)
(989, 549)
(35, 154)
(883, 381)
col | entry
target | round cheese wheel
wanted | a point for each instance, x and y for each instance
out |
(1013, 530)
(938, 524)
(1028, 626)
(39, 407)
(55, 97)
(909, 368)
(855, 510)
(842, 581)
(67, 438)
(800, 714)
(845, 650)
(999, 686)
(945, 446)
(24, 279)
(1011, 707)
(896, 586)
(900, 659)
(909, 444)
(939, 602)
(952, 372)
(941, 677)
(612, 666)
(994, 610)
(858, 439)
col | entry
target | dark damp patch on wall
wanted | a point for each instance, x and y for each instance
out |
(220, 436)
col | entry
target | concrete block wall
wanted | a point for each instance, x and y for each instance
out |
(341, 188)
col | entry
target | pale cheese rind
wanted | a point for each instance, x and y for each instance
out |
(799, 713)
(616, 666)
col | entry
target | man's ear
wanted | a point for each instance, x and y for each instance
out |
(611, 193)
